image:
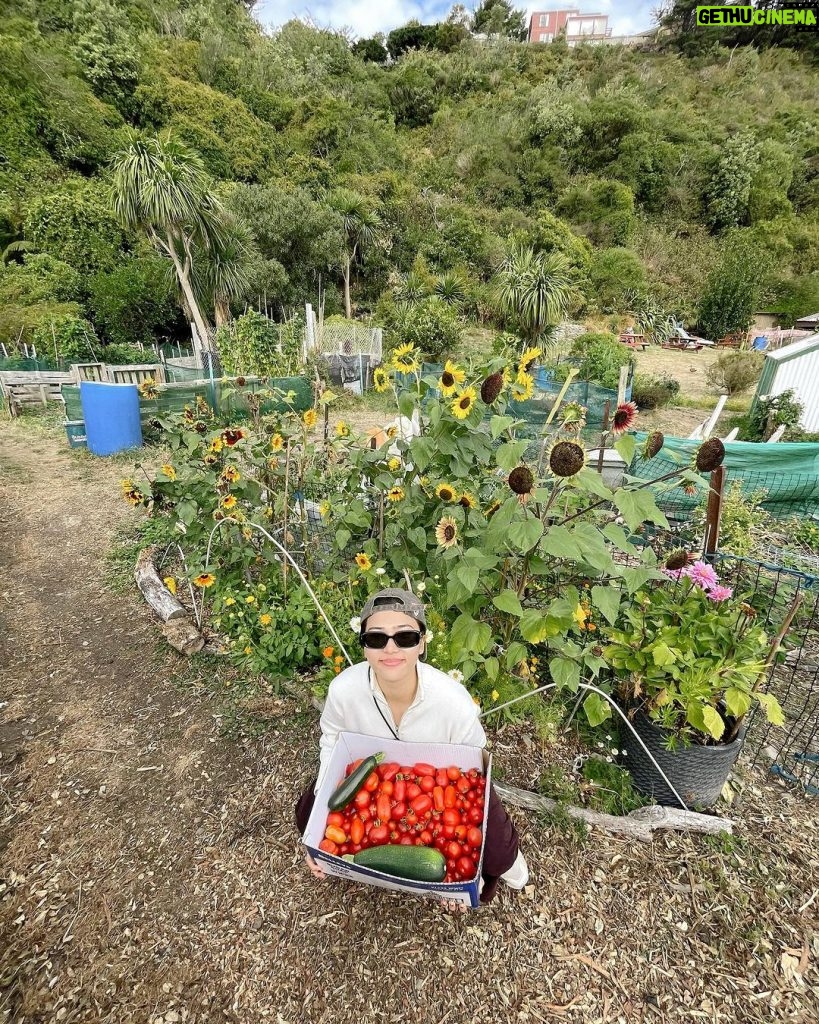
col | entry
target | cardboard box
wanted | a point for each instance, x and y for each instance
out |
(350, 746)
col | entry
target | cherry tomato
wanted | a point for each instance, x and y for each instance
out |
(406, 771)
(463, 785)
(466, 867)
(450, 796)
(438, 798)
(352, 767)
(454, 850)
(453, 773)
(474, 838)
(406, 841)
(451, 817)
(356, 830)
(423, 769)
(473, 773)
(328, 846)
(460, 832)
(452, 865)
(399, 789)
(379, 835)
(413, 791)
(371, 782)
(335, 818)
(422, 803)
(448, 831)
(411, 817)
(427, 783)
(474, 815)
(426, 837)
(362, 799)
(344, 848)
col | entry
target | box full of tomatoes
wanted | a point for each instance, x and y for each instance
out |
(403, 816)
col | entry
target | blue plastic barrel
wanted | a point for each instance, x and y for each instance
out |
(111, 414)
(760, 343)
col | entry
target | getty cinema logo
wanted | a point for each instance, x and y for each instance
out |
(802, 17)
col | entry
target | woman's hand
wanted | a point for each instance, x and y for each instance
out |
(315, 868)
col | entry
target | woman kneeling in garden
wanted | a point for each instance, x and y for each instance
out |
(395, 694)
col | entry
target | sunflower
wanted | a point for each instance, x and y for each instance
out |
(187, 414)
(392, 432)
(677, 559)
(381, 380)
(523, 388)
(148, 389)
(709, 456)
(521, 480)
(574, 416)
(492, 509)
(324, 509)
(653, 444)
(491, 388)
(463, 404)
(450, 378)
(217, 444)
(342, 429)
(229, 501)
(527, 359)
(363, 562)
(467, 500)
(395, 493)
(446, 492)
(232, 436)
(566, 458)
(624, 416)
(277, 442)
(310, 418)
(231, 474)
(394, 464)
(204, 579)
(170, 583)
(211, 459)
(404, 359)
(132, 494)
(446, 532)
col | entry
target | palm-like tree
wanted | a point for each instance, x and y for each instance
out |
(533, 288)
(160, 186)
(223, 270)
(360, 225)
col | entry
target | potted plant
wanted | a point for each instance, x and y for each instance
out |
(689, 661)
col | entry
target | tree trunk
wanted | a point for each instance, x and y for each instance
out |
(348, 309)
(221, 310)
(202, 326)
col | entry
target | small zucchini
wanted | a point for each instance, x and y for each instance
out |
(418, 863)
(349, 786)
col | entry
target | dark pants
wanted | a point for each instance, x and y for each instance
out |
(500, 848)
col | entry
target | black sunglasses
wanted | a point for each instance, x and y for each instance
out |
(405, 638)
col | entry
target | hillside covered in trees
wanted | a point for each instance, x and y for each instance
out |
(397, 175)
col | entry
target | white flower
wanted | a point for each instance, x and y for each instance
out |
(179, 525)
(610, 760)
(380, 571)
(428, 636)
(600, 746)
(355, 624)
(456, 674)
(421, 587)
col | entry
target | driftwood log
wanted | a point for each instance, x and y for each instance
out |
(640, 824)
(178, 629)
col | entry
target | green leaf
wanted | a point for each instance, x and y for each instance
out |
(491, 667)
(418, 537)
(509, 455)
(663, 655)
(597, 710)
(421, 450)
(737, 702)
(498, 424)
(467, 576)
(636, 578)
(626, 446)
(515, 653)
(559, 541)
(509, 602)
(607, 599)
(536, 626)
(523, 536)
(618, 537)
(565, 673)
(638, 507)
(342, 539)
(406, 404)
(590, 480)
(469, 635)
(771, 707)
(714, 725)
(186, 510)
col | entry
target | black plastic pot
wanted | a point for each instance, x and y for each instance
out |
(697, 773)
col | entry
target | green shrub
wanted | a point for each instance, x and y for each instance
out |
(599, 357)
(432, 325)
(254, 344)
(653, 392)
(743, 524)
(734, 372)
(767, 414)
(71, 334)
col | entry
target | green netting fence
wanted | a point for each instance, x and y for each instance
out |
(788, 473)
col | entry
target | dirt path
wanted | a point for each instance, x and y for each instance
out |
(151, 871)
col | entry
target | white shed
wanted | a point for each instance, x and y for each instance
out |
(795, 368)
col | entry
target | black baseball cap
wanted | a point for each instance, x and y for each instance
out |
(395, 600)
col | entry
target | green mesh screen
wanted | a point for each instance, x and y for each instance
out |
(177, 374)
(788, 473)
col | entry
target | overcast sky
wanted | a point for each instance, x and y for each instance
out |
(364, 18)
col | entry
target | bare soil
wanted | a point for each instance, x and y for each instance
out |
(152, 872)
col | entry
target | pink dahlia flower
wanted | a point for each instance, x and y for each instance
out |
(702, 574)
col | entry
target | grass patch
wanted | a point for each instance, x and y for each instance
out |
(707, 403)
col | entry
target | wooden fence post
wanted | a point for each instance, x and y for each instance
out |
(713, 514)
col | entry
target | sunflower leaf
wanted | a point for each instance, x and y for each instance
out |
(508, 455)
(470, 635)
(523, 536)
(565, 673)
(626, 447)
(498, 424)
(509, 602)
(607, 599)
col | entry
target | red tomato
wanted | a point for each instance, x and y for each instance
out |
(453, 773)
(474, 815)
(411, 817)
(413, 791)
(422, 803)
(466, 867)
(426, 837)
(406, 841)
(335, 818)
(441, 777)
(389, 770)
(463, 785)
(474, 838)
(406, 771)
(364, 813)
(398, 811)
(387, 788)
(356, 830)
(328, 846)
(399, 789)
(423, 769)
(371, 782)
(382, 808)
(369, 825)
(352, 767)
(460, 832)
(450, 796)
(427, 783)
(335, 834)
(448, 831)
(451, 817)
(454, 850)
(452, 865)
(344, 848)
(438, 798)
(473, 773)
(362, 799)
(379, 835)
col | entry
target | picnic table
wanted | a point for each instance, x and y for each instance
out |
(634, 340)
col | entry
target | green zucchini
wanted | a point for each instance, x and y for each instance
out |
(419, 863)
(349, 786)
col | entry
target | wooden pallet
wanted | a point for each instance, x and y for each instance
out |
(29, 387)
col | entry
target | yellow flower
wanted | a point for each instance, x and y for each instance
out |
(248, 650)
(339, 659)
(169, 471)
(446, 492)
(231, 474)
(395, 493)
(462, 406)
(204, 579)
(148, 388)
(527, 359)
(250, 599)
(170, 583)
(495, 695)
(467, 500)
(342, 430)
(394, 464)
(324, 509)
(363, 562)
(451, 377)
(229, 501)
(328, 652)
(404, 359)
(265, 619)
(132, 494)
(446, 532)
(523, 388)
(310, 418)
(580, 615)
(392, 432)
(217, 444)
(381, 380)
(277, 442)
(229, 601)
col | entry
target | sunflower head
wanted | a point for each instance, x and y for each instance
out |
(677, 559)
(446, 532)
(464, 403)
(521, 480)
(710, 455)
(404, 359)
(467, 500)
(527, 360)
(624, 416)
(491, 388)
(653, 444)
(363, 562)
(566, 458)
(381, 379)
(523, 388)
(446, 492)
(240, 382)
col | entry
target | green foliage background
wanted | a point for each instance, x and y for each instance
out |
(686, 173)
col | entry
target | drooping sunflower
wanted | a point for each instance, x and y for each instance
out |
(566, 458)
(310, 418)
(231, 474)
(204, 579)
(624, 416)
(523, 387)
(446, 532)
(653, 444)
(463, 404)
(381, 380)
(677, 559)
(404, 359)
(132, 494)
(446, 492)
(148, 389)
(232, 436)
(467, 500)
(521, 480)
(491, 388)
(451, 377)
(527, 360)
(362, 560)
(709, 456)
(169, 471)
(395, 493)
